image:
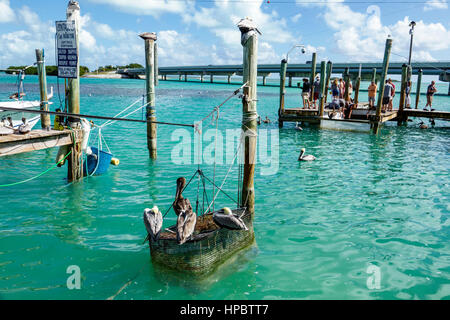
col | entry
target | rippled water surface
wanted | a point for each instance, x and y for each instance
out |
(368, 200)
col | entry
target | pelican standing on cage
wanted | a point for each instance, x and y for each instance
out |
(187, 218)
(153, 221)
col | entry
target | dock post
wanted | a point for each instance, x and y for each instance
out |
(327, 83)
(419, 82)
(264, 80)
(290, 81)
(229, 79)
(185, 77)
(75, 165)
(323, 74)
(179, 77)
(387, 52)
(374, 75)
(347, 84)
(45, 118)
(249, 115)
(150, 38)
(401, 104)
(155, 63)
(357, 85)
(283, 69)
(212, 78)
(312, 75)
(201, 78)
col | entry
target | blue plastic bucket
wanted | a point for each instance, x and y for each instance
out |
(103, 159)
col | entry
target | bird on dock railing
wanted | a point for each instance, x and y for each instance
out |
(302, 157)
(153, 221)
(226, 219)
(186, 216)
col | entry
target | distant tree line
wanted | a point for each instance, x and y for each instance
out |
(51, 70)
(114, 68)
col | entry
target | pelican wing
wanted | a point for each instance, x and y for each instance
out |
(153, 223)
(229, 221)
(185, 226)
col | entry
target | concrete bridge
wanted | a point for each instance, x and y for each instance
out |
(439, 69)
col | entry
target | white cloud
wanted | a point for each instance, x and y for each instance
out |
(6, 13)
(435, 4)
(148, 7)
(296, 17)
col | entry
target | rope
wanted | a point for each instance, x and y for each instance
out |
(37, 176)
(131, 105)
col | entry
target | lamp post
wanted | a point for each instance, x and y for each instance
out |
(411, 32)
(295, 46)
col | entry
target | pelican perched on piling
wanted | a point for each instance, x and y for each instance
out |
(226, 219)
(186, 216)
(153, 221)
(302, 157)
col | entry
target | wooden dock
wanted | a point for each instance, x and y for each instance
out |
(35, 140)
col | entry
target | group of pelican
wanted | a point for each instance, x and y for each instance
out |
(187, 218)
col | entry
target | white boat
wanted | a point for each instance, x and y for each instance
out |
(17, 103)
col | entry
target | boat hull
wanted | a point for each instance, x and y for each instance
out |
(17, 116)
(203, 254)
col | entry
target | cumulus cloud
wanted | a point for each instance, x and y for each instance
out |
(149, 7)
(435, 4)
(6, 13)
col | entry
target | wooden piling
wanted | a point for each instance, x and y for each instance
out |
(45, 118)
(347, 84)
(327, 82)
(357, 85)
(387, 52)
(212, 78)
(374, 75)
(229, 79)
(155, 63)
(290, 81)
(150, 38)
(419, 82)
(283, 69)
(264, 81)
(201, 78)
(249, 117)
(312, 75)
(75, 161)
(401, 105)
(179, 77)
(323, 74)
(185, 77)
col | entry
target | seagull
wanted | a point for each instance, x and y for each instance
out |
(301, 157)
(153, 221)
(226, 219)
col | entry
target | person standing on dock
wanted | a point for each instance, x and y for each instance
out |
(341, 88)
(387, 96)
(335, 89)
(392, 94)
(316, 92)
(306, 88)
(430, 93)
(372, 89)
(407, 93)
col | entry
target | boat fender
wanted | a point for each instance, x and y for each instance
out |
(62, 152)
(115, 161)
(86, 127)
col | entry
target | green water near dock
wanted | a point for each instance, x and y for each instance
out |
(368, 200)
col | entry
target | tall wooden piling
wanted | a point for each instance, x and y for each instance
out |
(357, 85)
(75, 163)
(150, 38)
(323, 74)
(312, 75)
(229, 79)
(249, 41)
(290, 81)
(374, 75)
(201, 78)
(419, 82)
(212, 78)
(283, 69)
(264, 81)
(387, 53)
(347, 84)
(155, 63)
(401, 106)
(327, 82)
(45, 118)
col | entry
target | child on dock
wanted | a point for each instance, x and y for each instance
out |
(372, 92)
(431, 90)
(387, 96)
(335, 89)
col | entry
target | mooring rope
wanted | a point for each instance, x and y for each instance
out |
(37, 176)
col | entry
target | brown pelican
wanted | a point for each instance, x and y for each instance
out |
(186, 216)
(153, 221)
(302, 157)
(181, 204)
(266, 120)
(226, 219)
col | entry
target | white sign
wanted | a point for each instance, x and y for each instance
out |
(66, 45)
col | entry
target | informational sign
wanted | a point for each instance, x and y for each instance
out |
(66, 45)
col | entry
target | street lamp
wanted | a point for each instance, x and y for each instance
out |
(411, 32)
(296, 46)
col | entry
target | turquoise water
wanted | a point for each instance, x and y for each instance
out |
(368, 200)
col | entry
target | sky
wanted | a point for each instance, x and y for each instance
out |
(203, 32)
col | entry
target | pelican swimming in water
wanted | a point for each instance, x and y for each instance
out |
(302, 157)
(226, 219)
(153, 221)
(266, 120)
(186, 216)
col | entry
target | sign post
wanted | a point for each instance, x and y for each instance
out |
(67, 49)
